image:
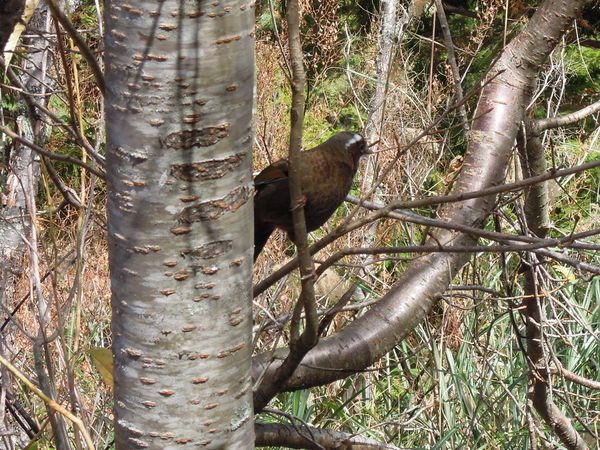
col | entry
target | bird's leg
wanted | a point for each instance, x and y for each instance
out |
(301, 203)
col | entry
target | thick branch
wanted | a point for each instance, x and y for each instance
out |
(567, 119)
(295, 436)
(533, 162)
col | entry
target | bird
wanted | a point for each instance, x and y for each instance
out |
(326, 174)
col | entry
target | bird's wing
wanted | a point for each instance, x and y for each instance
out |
(276, 172)
(272, 199)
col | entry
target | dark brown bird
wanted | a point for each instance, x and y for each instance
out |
(327, 172)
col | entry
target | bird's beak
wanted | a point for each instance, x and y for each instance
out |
(368, 151)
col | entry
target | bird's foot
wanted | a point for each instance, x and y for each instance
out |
(312, 274)
(301, 203)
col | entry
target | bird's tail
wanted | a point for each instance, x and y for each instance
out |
(262, 231)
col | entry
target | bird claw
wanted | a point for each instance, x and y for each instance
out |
(301, 203)
(312, 274)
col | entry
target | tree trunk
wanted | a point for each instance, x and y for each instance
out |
(179, 100)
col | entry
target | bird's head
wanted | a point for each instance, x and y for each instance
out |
(352, 142)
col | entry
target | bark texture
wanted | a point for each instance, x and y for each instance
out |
(297, 436)
(180, 79)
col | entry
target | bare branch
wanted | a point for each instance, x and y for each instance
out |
(303, 436)
(441, 15)
(567, 119)
(85, 50)
(52, 155)
(300, 344)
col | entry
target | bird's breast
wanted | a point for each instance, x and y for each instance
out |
(325, 191)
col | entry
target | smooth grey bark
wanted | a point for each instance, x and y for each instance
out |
(13, 220)
(179, 97)
(13, 224)
(390, 27)
(498, 116)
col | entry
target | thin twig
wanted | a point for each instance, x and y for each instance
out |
(51, 403)
(441, 16)
(300, 344)
(52, 155)
(83, 48)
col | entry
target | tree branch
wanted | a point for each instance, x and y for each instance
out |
(52, 155)
(303, 436)
(83, 48)
(452, 60)
(300, 344)
(491, 141)
(568, 119)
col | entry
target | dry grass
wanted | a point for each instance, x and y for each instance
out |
(77, 319)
